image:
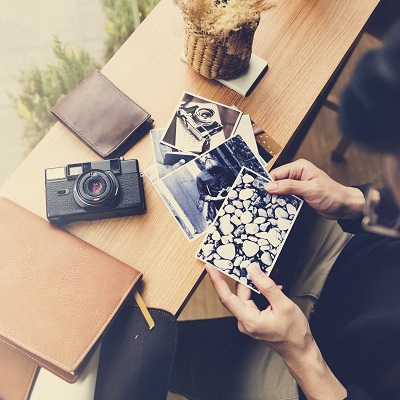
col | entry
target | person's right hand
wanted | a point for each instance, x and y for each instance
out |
(327, 197)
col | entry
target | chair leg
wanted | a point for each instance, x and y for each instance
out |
(337, 154)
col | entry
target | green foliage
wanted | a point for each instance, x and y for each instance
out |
(145, 7)
(120, 23)
(41, 88)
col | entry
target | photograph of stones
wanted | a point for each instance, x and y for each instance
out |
(250, 229)
(199, 124)
(194, 192)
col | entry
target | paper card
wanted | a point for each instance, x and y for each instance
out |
(194, 192)
(245, 129)
(198, 124)
(167, 158)
(251, 228)
(246, 81)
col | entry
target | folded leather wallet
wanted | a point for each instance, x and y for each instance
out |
(101, 115)
(58, 294)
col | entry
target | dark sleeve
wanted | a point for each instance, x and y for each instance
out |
(201, 188)
(354, 393)
(354, 226)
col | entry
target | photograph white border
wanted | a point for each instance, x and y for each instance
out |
(220, 213)
(217, 139)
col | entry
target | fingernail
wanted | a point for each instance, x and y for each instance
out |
(271, 186)
(255, 271)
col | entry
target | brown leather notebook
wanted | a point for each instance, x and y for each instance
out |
(103, 116)
(16, 374)
(58, 294)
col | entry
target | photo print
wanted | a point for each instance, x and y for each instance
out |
(167, 158)
(199, 124)
(250, 229)
(194, 192)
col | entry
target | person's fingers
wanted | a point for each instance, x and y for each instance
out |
(243, 292)
(293, 170)
(229, 300)
(290, 186)
(268, 288)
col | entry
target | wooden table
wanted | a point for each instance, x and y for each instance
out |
(304, 42)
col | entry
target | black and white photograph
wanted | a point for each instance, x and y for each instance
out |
(167, 158)
(245, 129)
(194, 192)
(250, 229)
(199, 125)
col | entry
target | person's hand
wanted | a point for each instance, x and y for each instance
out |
(327, 197)
(281, 326)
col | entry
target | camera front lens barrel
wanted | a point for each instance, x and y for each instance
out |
(203, 115)
(96, 188)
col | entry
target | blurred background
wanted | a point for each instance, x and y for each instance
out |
(46, 48)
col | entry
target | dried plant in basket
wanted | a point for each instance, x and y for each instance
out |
(219, 34)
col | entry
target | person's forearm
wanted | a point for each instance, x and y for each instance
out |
(314, 376)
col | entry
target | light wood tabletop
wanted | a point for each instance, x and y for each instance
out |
(304, 42)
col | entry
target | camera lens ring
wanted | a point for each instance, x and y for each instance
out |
(96, 188)
(203, 115)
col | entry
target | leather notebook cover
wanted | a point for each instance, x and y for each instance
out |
(16, 374)
(58, 293)
(101, 115)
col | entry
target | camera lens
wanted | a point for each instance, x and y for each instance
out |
(203, 115)
(95, 188)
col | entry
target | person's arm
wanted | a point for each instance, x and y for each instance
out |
(284, 328)
(327, 197)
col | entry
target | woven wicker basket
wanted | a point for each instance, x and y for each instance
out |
(220, 59)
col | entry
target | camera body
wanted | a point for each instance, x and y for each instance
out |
(94, 190)
(199, 120)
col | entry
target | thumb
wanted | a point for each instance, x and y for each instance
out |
(288, 186)
(267, 287)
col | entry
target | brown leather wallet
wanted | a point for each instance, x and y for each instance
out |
(58, 294)
(101, 115)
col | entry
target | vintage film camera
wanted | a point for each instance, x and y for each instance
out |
(199, 120)
(94, 190)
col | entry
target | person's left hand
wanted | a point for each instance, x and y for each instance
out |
(281, 326)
